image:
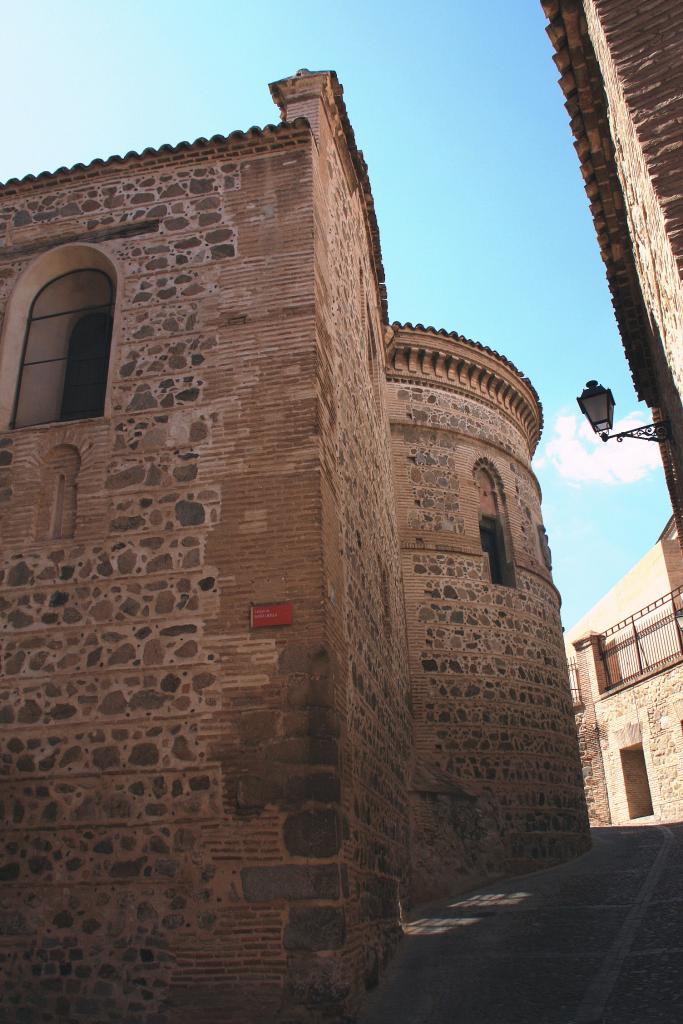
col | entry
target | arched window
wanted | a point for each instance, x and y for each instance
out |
(66, 351)
(491, 528)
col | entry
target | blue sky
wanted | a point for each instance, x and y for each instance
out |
(484, 222)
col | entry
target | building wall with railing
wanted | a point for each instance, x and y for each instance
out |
(643, 716)
(627, 690)
(658, 572)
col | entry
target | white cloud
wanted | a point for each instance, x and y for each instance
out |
(578, 455)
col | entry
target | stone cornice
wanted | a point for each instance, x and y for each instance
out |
(448, 360)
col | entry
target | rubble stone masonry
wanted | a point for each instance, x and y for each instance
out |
(497, 780)
(203, 819)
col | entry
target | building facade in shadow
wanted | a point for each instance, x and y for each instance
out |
(281, 648)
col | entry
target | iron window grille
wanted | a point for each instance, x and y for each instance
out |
(65, 357)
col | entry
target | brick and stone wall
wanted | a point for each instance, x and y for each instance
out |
(590, 679)
(493, 727)
(201, 818)
(160, 760)
(622, 77)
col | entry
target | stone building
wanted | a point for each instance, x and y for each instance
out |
(280, 644)
(622, 76)
(626, 654)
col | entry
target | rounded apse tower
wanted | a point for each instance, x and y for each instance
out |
(496, 780)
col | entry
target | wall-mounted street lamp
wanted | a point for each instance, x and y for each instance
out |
(597, 405)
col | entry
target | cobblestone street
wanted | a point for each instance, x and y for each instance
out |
(595, 941)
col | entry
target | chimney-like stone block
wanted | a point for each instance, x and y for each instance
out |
(304, 95)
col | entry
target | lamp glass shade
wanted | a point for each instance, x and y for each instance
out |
(597, 405)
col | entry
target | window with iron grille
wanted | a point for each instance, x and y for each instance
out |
(66, 350)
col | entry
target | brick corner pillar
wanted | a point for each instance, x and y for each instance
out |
(348, 826)
(301, 95)
(592, 682)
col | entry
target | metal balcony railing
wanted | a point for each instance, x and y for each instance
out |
(646, 642)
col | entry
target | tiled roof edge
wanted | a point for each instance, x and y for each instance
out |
(586, 104)
(237, 136)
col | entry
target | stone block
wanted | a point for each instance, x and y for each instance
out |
(305, 750)
(315, 928)
(291, 882)
(323, 787)
(312, 834)
(310, 691)
(304, 658)
(253, 792)
(317, 982)
(257, 726)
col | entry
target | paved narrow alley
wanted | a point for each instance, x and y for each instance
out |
(595, 941)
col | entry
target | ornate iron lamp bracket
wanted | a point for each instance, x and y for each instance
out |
(659, 432)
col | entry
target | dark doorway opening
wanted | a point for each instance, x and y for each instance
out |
(636, 782)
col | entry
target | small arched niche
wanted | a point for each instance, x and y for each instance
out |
(493, 527)
(59, 486)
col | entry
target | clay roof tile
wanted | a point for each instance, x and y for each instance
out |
(237, 136)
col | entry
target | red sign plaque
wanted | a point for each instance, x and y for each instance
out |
(271, 615)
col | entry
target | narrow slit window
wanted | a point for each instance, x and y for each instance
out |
(372, 352)
(57, 511)
(57, 526)
(492, 529)
(491, 547)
